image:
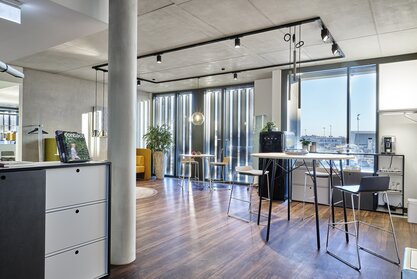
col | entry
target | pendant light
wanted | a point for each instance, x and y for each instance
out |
(95, 131)
(103, 132)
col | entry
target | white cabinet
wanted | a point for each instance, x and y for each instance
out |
(323, 187)
(76, 222)
(85, 262)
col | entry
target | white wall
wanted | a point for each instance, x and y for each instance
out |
(57, 102)
(397, 90)
(263, 98)
(276, 98)
(405, 132)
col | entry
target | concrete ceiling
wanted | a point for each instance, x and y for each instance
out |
(9, 94)
(363, 28)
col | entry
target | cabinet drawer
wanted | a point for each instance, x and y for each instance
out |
(299, 178)
(74, 226)
(298, 194)
(69, 186)
(86, 262)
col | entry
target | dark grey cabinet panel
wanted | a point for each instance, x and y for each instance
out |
(22, 224)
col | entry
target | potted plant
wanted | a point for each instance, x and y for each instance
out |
(269, 126)
(159, 139)
(305, 143)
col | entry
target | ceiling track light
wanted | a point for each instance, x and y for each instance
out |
(335, 49)
(138, 82)
(237, 42)
(325, 34)
(235, 76)
(159, 59)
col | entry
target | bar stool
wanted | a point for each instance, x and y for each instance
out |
(249, 171)
(222, 165)
(191, 162)
(368, 184)
(309, 175)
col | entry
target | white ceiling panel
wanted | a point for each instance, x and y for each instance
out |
(207, 68)
(61, 58)
(395, 15)
(44, 24)
(147, 6)
(345, 19)
(169, 27)
(227, 16)
(283, 56)
(360, 48)
(391, 42)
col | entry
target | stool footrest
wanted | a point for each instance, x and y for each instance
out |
(343, 261)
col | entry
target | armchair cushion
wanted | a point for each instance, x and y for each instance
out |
(143, 162)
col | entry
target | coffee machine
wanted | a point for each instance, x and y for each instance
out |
(388, 145)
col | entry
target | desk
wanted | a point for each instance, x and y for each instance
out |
(274, 157)
(203, 157)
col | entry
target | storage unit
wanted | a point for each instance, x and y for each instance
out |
(75, 221)
(412, 210)
(323, 187)
(393, 166)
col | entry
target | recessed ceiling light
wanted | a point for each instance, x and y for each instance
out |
(10, 12)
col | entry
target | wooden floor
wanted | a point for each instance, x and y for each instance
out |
(187, 234)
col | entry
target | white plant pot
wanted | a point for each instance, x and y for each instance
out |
(159, 164)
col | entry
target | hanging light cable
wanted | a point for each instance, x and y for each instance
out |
(103, 132)
(94, 124)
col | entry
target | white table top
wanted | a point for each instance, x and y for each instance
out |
(309, 156)
(196, 155)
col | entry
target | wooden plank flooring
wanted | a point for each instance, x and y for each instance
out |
(187, 234)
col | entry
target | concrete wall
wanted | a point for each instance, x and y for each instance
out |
(263, 98)
(57, 102)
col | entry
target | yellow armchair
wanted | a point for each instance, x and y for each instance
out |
(143, 162)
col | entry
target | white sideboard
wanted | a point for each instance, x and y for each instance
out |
(70, 220)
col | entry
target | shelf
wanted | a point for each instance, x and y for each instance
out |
(390, 173)
(398, 211)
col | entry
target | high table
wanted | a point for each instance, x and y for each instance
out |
(203, 157)
(268, 158)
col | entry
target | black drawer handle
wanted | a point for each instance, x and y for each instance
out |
(77, 170)
(77, 211)
(76, 252)
(3, 177)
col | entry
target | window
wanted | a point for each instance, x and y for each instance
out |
(323, 114)
(338, 107)
(229, 126)
(164, 113)
(143, 122)
(184, 127)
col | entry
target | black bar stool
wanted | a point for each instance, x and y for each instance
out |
(369, 184)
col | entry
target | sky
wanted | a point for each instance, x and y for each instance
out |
(324, 105)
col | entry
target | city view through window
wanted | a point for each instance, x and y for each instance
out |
(338, 111)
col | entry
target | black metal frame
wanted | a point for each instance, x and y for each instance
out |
(233, 37)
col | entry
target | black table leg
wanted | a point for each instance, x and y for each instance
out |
(260, 189)
(271, 192)
(289, 173)
(331, 192)
(342, 180)
(316, 207)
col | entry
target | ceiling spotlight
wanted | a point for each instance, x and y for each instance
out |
(159, 59)
(138, 82)
(325, 34)
(235, 76)
(335, 49)
(237, 43)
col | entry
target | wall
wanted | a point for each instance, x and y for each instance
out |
(57, 102)
(397, 88)
(263, 98)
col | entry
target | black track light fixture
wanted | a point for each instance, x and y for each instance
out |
(159, 59)
(235, 76)
(325, 34)
(237, 42)
(138, 82)
(335, 49)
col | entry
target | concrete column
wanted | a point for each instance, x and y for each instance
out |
(122, 128)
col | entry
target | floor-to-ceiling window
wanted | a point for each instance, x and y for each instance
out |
(143, 112)
(229, 125)
(164, 113)
(338, 110)
(184, 130)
